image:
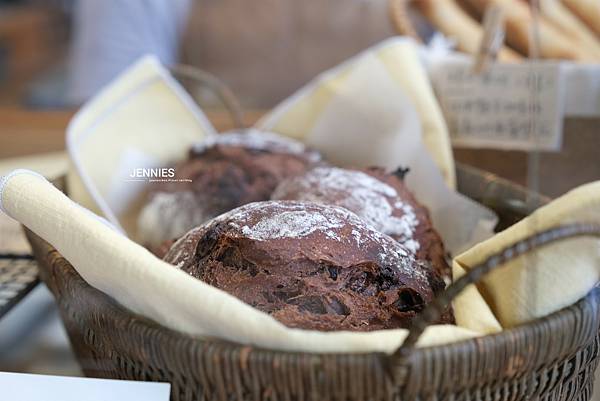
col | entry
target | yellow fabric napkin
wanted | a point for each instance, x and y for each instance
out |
(548, 279)
(143, 119)
(144, 284)
(377, 83)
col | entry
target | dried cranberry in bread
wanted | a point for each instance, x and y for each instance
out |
(223, 172)
(310, 266)
(381, 199)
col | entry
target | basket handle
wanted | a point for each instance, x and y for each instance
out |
(215, 85)
(435, 309)
(398, 10)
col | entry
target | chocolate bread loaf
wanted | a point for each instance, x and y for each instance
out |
(310, 266)
(381, 199)
(221, 173)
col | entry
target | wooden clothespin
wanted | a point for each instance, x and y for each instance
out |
(534, 32)
(492, 40)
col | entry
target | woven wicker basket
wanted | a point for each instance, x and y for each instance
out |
(553, 358)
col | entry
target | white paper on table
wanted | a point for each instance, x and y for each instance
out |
(29, 387)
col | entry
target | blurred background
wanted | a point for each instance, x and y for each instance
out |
(34, 39)
(54, 54)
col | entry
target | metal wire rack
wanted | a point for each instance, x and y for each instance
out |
(18, 276)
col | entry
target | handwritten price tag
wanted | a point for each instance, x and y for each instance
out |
(508, 106)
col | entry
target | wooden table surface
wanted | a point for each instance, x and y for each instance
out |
(31, 132)
(27, 132)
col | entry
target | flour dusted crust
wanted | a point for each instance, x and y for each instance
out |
(310, 266)
(256, 140)
(226, 171)
(381, 199)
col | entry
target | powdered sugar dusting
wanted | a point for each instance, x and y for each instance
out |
(169, 215)
(292, 224)
(275, 220)
(372, 200)
(287, 220)
(259, 140)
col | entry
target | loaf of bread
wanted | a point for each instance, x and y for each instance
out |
(381, 199)
(221, 173)
(310, 266)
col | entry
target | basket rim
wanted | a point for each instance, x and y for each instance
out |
(592, 299)
(584, 314)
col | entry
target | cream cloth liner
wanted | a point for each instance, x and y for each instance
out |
(299, 115)
(548, 279)
(134, 277)
(103, 138)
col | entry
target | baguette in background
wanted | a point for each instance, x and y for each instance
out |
(553, 43)
(564, 20)
(452, 21)
(588, 11)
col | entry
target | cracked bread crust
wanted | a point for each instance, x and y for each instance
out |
(310, 266)
(381, 199)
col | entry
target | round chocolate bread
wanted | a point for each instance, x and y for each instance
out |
(221, 173)
(310, 266)
(381, 199)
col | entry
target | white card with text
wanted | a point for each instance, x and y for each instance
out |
(508, 106)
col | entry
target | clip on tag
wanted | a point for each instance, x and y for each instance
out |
(492, 39)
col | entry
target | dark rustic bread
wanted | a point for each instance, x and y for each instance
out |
(381, 199)
(310, 266)
(226, 171)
